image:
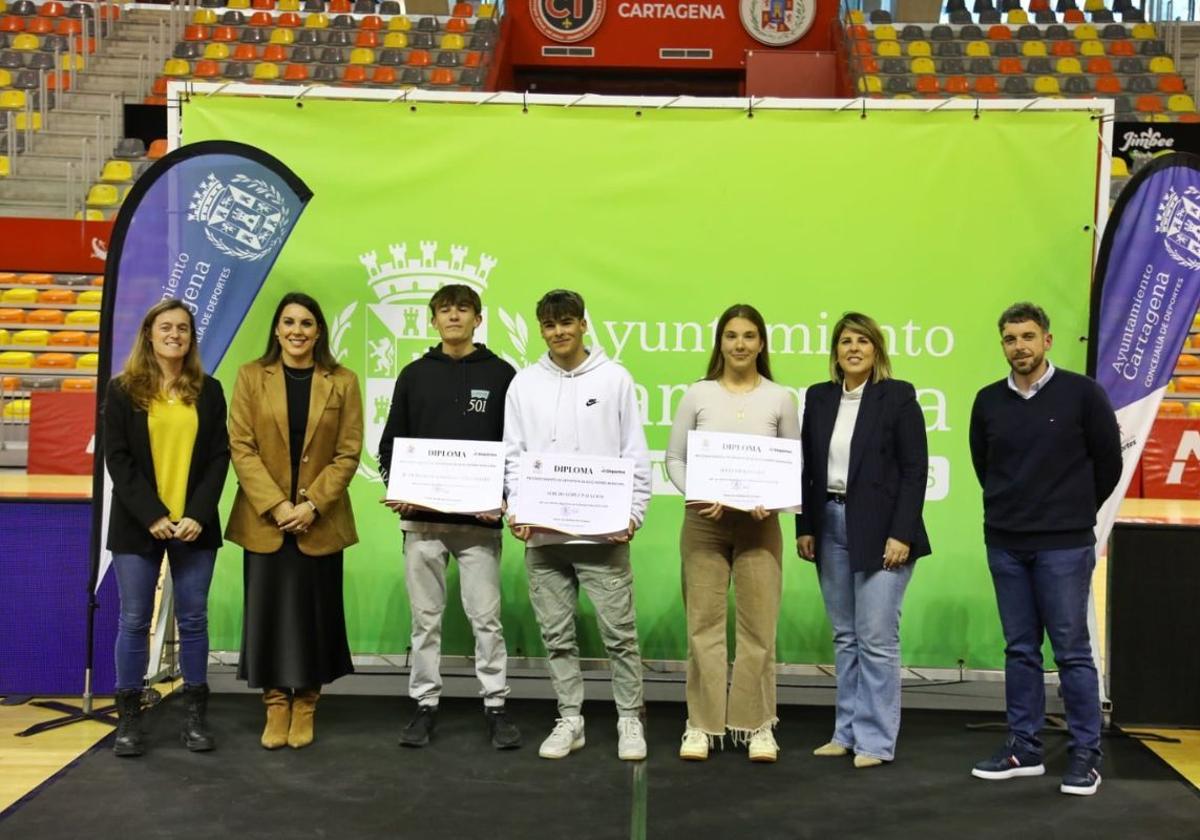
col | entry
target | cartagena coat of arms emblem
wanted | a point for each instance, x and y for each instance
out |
(245, 218)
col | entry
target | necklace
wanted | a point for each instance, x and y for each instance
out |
(740, 397)
(308, 374)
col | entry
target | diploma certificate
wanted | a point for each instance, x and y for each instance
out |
(580, 495)
(743, 471)
(448, 476)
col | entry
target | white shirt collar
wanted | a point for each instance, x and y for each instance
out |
(853, 393)
(1036, 386)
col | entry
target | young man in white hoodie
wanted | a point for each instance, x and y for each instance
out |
(579, 401)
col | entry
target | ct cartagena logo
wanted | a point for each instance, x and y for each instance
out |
(567, 21)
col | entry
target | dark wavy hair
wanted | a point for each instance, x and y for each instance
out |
(322, 355)
(716, 362)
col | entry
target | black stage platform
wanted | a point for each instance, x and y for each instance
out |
(354, 782)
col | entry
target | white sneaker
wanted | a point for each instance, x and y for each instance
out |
(564, 739)
(763, 746)
(631, 741)
(694, 746)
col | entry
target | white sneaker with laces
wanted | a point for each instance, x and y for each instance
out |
(564, 739)
(694, 746)
(631, 740)
(763, 746)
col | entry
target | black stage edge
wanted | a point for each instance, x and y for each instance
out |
(354, 782)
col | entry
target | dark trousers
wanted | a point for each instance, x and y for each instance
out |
(1046, 593)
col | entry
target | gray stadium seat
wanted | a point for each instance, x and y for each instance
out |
(1016, 86)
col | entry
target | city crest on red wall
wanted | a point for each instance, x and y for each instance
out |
(567, 21)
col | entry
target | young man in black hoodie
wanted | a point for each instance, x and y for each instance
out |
(1047, 449)
(454, 391)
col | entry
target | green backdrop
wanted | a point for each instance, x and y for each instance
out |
(930, 222)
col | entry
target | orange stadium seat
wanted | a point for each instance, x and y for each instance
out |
(52, 9)
(1064, 49)
(442, 76)
(999, 33)
(858, 32)
(924, 84)
(295, 73)
(206, 69)
(68, 26)
(225, 34)
(986, 85)
(355, 74)
(10, 383)
(39, 26)
(46, 316)
(1169, 408)
(1099, 65)
(367, 39)
(462, 10)
(957, 84)
(7, 277)
(383, 76)
(459, 25)
(340, 7)
(868, 64)
(419, 58)
(1171, 83)
(371, 23)
(260, 19)
(78, 383)
(98, 280)
(54, 360)
(93, 339)
(68, 338)
(289, 20)
(245, 52)
(268, 5)
(35, 279)
(475, 58)
(1121, 49)
(1108, 84)
(11, 23)
(12, 316)
(1149, 104)
(196, 32)
(274, 52)
(1010, 67)
(56, 296)
(1073, 16)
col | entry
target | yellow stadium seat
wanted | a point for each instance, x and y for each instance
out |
(1086, 32)
(12, 100)
(176, 67)
(4, 166)
(1018, 17)
(1091, 48)
(918, 49)
(90, 297)
(1068, 66)
(283, 36)
(318, 20)
(870, 84)
(25, 42)
(1093, 5)
(486, 10)
(923, 65)
(16, 359)
(19, 296)
(31, 338)
(16, 410)
(83, 318)
(216, 51)
(452, 41)
(1181, 103)
(362, 55)
(1162, 64)
(266, 71)
(978, 49)
(1030, 49)
(1143, 32)
(1119, 168)
(88, 361)
(5, 338)
(237, 4)
(288, 5)
(204, 17)
(89, 215)
(31, 121)
(1046, 85)
(856, 16)
(5, 78)
(399, 23)
(103, 195)
(65, 62)
(886, 32)
(117, 172)
(46, 316)
(888, 49)
(398, 40)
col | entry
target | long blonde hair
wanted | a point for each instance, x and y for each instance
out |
(142, 379)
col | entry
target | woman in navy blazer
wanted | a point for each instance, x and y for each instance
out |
(865, 466)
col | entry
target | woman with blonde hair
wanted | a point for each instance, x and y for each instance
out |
(865, 467)
(167, 451)
(295, 430)
(720, 544)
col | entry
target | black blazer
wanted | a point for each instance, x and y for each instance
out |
(135, 503)
(889, 466)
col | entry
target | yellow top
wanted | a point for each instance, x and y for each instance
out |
(172, 425)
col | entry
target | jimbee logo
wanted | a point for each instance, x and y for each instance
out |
(567, 21)
(246, 218)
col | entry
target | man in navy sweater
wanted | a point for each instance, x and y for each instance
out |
(454, 391)
(1047, 449)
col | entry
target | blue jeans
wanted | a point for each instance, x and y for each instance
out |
(1040, 593)
(137, 578)
(864, 609)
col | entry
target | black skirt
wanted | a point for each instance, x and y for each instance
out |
(294, 622)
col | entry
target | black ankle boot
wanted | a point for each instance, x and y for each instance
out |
(195, 734)
(129, 723)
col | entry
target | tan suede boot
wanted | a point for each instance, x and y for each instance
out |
(279, 715)
(304, 707)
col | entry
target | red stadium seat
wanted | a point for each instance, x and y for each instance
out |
(957, 84)
(274, 52)
(1064, 49)
(371, 22)
(206, 69)
(1121, 49)
(295, 73)
(1108, 84)
(1074, 16)
(1149, 104)
(196, 32)
(925, 84)
(986, 85)
(225, 34)
(999, 33)
(1171, 83)
(383, 76)
(367, 39)
(355, 74)
(1010, 66)
(1098, 65)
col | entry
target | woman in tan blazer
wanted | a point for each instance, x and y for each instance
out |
(295, 437)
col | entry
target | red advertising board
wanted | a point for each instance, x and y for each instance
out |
(677, 34)
(53, 245)
(1171, 460)
(61, 427)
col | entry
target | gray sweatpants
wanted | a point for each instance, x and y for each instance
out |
(426, 555)
(556, 573)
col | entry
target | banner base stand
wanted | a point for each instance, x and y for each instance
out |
(71, 714)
